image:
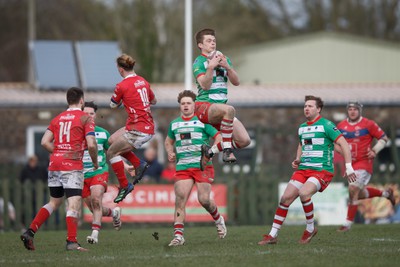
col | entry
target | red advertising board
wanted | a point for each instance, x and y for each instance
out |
(156, 203)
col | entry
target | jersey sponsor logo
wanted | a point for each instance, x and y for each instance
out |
(67, 117)
(186, 142)
(307, 147)
(308, 129)
(181, 124)
(101, 135)
(139, 83)
(308, 135)
(307, 141)
(184, 136)
(220, 72)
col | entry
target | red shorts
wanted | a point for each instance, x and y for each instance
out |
(201, 111)
(323, 177)
(101, 179)
(206, 176)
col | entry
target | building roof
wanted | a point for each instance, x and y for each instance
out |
(271, 95)
(322, 57)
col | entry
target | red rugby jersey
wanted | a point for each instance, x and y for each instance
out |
(360, 136)
(135, 93)
(69, 129)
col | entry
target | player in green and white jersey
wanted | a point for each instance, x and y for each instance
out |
(314, 164)
(95, 183)
(212, 70)
(186, 135)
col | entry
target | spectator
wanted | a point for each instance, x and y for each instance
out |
(33, 172)
(153, 173)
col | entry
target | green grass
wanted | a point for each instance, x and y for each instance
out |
(364, 245)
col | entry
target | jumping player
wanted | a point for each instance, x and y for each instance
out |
(211, 71)
(135, 94)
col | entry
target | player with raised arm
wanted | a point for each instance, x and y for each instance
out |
(212, 70)
(314, 168)
(135, 93)
(66, 138)
(186, 135)
(359, 133)
(95, 184)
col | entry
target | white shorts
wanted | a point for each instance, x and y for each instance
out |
(363, 178)
(66, 179)
(136, 138)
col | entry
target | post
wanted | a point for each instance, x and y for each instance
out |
(188, 44)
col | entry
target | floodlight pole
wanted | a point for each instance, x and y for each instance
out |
(188, 44)
(31, 37)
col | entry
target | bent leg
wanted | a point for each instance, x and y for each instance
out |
(240, 136)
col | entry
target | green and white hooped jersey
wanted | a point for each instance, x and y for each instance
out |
(189, 135)
(317, 142)
(102, 136)
(218, 92)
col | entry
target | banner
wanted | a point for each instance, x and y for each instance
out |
(156, 203)
(330, 206)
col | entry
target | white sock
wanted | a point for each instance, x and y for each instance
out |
(95, 234)
(310, 227)
(274, 232)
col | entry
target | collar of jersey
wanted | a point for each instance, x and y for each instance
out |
(70, 109)
(187, 119)
(130, 75)
(312, 122)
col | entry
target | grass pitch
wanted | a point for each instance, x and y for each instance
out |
(364, 245)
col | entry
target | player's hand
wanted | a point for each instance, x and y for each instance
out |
(371, 154)
(172, 157)
(213, 60)
(351, 177)
(295, 163)
(223, 62)
(350, 174)
(95, 166)
(129, 169)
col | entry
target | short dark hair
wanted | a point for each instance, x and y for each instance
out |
(200, 34)
(318, 100)
(74, 95)
(91, 104)
(186, 93)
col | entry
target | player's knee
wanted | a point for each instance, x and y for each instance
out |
(246, 142)
(96, 203)
(286, 200)
(204, 201)
(230, 111)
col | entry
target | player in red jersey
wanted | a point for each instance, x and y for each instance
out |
(135, 94)
(65, 139)
(359, 133)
